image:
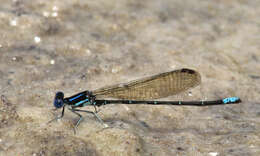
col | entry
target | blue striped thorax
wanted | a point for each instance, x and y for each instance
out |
(80, 100)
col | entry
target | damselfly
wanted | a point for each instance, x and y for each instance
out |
(138, 92)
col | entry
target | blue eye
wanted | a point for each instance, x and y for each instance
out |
(58, 100)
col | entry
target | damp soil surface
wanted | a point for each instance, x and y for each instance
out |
(77, 45)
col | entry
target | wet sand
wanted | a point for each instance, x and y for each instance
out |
(72, 46)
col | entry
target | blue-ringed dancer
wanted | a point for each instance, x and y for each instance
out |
(138, 92)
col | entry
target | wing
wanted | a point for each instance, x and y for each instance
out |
(157, 86)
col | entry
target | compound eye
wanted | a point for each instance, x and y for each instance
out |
(58, 100)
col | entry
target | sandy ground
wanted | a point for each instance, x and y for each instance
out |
(76, 45)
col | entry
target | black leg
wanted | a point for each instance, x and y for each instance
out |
(93, 113)
(95, 109)
(95, 106)
(79, 120)
(58, 117)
